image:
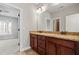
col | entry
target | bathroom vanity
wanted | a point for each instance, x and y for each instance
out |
(54, 44)
(54, 35)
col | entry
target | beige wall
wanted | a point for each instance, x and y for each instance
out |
(27, 23)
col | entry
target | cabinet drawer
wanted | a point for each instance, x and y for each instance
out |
(51, 39)
(41, 51)
(41, 37)
(41, 43)
(33, 36)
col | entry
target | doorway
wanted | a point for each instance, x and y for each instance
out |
(9, 30)
(56, 25)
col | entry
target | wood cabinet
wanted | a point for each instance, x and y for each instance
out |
(59, 46)
(45, 45)
(50, 48)
(63, 50)
(41, 51)
(77, 48)
(41, 44)
(65, 47)
(33, 41)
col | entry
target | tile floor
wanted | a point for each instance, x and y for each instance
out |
(27, 52)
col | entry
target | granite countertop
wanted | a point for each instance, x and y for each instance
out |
(62, 36)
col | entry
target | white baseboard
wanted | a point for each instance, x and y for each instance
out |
(25, 48)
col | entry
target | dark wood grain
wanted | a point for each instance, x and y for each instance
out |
(33, 41)
(53, 46)
(41, 51)
(50, 48)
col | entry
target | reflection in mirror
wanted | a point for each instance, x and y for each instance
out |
(68, 22)
(72, 22)
(56, 25)
(48, 24)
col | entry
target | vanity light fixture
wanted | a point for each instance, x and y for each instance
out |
(41, 9)
(44, 8)
(38, 10)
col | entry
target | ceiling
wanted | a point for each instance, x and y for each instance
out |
(7, 8)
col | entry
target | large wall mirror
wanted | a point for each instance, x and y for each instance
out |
(62, 17)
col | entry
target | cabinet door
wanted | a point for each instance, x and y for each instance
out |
(35, 44)
(50, 48)
(62, 50)
(41, 43)
(31, 41)
(41, 51)
(77, 48)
